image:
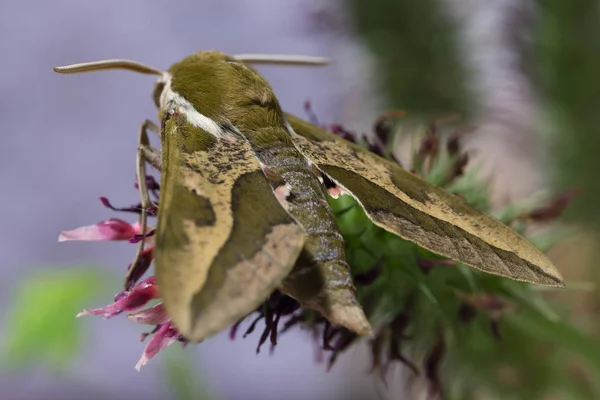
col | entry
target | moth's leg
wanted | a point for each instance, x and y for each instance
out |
(151, 126)
(145, 154)
(152, 156)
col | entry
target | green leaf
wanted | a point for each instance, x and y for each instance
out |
(41, 323)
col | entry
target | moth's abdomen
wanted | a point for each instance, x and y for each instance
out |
(321, 278)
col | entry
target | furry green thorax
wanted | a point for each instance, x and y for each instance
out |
(224, 90)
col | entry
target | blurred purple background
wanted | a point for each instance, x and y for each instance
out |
(69, 139)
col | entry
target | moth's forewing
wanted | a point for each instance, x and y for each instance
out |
(223, 241)
(412, 208)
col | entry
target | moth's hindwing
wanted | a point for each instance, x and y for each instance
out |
(223, 242)
(412, 208)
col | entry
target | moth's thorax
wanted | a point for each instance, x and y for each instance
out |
(214, 91)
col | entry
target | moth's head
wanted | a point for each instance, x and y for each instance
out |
(213, 83)
(216, 85)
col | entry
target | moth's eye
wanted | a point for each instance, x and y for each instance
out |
(158, 89)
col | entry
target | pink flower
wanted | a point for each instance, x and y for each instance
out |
(150, 316)
(131, 300)
(111, 229)
(136, 295)
(163, 337)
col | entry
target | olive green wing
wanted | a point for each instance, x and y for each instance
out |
(412, 208)
(223, 241)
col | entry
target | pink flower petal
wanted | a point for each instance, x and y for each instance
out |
(150, 316)
(166, 335)
(133, 300)
(111, 229)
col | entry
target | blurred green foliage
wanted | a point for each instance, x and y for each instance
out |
(41, 327)
(418, 63)
(567, 58)
(41, 324)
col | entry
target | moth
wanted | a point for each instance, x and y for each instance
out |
(243, 207)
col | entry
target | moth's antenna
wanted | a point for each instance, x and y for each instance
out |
(281, 59)
(108, 64)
